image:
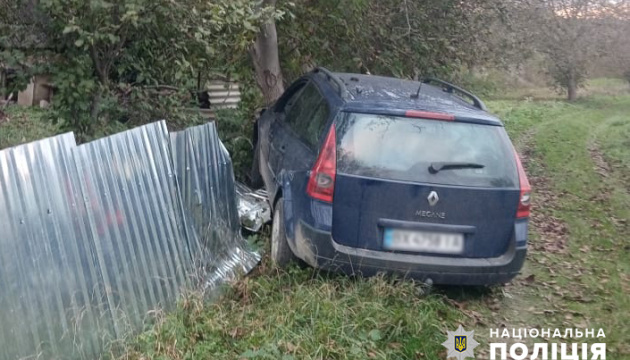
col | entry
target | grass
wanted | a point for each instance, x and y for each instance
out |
(303, 314)
(598, 250)
(592, 87)
(579, 163)
(616, 132)
(19, 125)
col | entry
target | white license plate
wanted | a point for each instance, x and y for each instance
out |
(423, 241)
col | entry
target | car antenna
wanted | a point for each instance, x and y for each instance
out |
(417, 94)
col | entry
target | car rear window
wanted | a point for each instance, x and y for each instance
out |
(399, 148)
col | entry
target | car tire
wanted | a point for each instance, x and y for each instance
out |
(281, 254)
(255, 178)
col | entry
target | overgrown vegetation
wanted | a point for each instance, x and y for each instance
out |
(129, 59)
(19, 126)
(236, 131)
(387, 37)
(572, 35)
(303, 314)
(139, 60)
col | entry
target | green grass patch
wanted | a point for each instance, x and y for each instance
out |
(592, 87)
(19, 125)
(614, 140)
(521, 117)
(303, 314)
(598, 262)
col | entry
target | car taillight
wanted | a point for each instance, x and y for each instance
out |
(321, 184)
(524, 202)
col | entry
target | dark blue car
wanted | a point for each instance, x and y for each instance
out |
(369, 174)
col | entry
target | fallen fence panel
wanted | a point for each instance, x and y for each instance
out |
(207, 185)
(95, 237)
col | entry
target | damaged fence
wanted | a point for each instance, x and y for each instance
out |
(95, 237)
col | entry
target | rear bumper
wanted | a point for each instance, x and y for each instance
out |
(319, 250)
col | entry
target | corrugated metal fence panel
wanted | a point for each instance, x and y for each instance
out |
(47, 303)
(136, 222)
(223, 95)
(206, 180)
(94, 237)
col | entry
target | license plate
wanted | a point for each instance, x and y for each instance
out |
(423, 241)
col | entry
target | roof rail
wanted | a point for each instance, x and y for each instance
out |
(334, 79)
(450, 88)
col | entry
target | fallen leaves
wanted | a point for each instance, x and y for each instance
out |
(601, 165)
(475, 317)
(554, 233)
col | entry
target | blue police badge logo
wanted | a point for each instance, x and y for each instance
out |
(460, 344)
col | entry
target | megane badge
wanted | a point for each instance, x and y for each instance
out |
(433, 198)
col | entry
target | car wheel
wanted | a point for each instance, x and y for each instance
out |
(255, 178)
(281, 253)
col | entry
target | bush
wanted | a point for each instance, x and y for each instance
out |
(235, 131)
(112, 60)
(486, 85)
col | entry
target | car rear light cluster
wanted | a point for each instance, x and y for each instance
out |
(524, 203)
(321, 184)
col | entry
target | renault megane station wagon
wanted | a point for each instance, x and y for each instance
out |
(369, 174)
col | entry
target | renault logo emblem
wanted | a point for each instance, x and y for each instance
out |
(433, 198)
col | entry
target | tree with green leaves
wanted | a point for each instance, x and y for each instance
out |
(393, 37)
(108, 57)
(571, 34)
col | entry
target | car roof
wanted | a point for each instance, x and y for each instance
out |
(380, 94)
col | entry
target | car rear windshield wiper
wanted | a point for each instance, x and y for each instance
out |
(436, 167)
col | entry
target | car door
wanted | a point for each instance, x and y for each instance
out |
(303, 130)
(272, 137)
(304, 126)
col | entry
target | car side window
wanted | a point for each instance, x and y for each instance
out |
(315, 126)
(308, 115)
(286, 102)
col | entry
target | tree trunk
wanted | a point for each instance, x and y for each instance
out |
(571, 87)
(3, 83)
(95, 104)
(264, 54)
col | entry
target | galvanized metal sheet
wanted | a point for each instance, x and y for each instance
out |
(94, 237)
(135, 222)
(47, 274)
(206, 180)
